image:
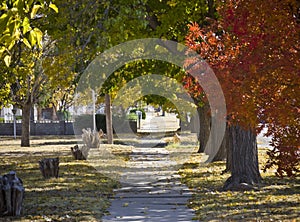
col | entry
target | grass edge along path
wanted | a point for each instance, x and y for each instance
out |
(278, 199)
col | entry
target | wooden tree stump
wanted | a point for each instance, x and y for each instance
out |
(49, 167)
(80, 153)
(91, 138)
(11, 195)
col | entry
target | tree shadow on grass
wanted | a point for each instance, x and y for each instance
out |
(277, 199)
(58, 143)
(80, 193)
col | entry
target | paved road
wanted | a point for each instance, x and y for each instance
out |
(151, 190)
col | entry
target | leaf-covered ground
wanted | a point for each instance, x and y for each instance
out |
(79, 194)
(277, 199)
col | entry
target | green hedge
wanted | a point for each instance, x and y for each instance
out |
(120, 124)
(64, 115)
(133, 111)
(82, 122)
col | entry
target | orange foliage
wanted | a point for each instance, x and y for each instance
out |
(254, 50)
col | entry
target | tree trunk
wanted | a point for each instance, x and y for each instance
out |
(204, 132)
(194, 124)
(108, 114)
(26, 110)
(32, 114)
(11, 195)
(228, 152)
(39, 113)
(205, 121)
(222, 152)
(49, 167)
(211, 9)
(244, 168)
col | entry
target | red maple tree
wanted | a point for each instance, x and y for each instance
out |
(254, 50)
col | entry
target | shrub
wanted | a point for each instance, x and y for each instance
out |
(133, 111)
(285, 155)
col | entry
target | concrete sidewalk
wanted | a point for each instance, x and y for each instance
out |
(151, 190)
(156, 123)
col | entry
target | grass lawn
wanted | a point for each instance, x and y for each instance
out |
(79, 194)
(277, 200)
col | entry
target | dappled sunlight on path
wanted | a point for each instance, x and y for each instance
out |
(151, 189)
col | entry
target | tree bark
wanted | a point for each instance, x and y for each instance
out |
(11, 195)
(39, 113)
(228, 151)
(194, 124)
(204, 132)
(222, 152)
(26, 110)
(205, 121)
(211, 9)
(49, 167)
(244, 168)
(108, 114)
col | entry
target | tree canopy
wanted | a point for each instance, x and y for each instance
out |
(253, 47)
(257, 59)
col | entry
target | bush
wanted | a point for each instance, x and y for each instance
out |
(132, 116)
(63, 115)
(83, 122)
(101, 122)
(120, 124)
(285, 155)
(133, 111)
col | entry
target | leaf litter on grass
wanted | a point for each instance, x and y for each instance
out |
(277, 200)
(80, 193)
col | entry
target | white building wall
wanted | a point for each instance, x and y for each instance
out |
(7, 114)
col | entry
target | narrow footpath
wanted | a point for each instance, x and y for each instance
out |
(151, 190)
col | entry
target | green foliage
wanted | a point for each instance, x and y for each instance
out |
(77, 26)
(64, 115)
(31, 72)
(139, 109)
(84, 121)
(169, 19)
(85, 28)
(4, 89)
(101, 122)
(132, 116)
(78, 31)
(120, 123)
(17, 26)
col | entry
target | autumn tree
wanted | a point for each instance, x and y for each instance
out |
(247, 53)
(162, 22)
(271, 57)
(89, 27)
(22, 49)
